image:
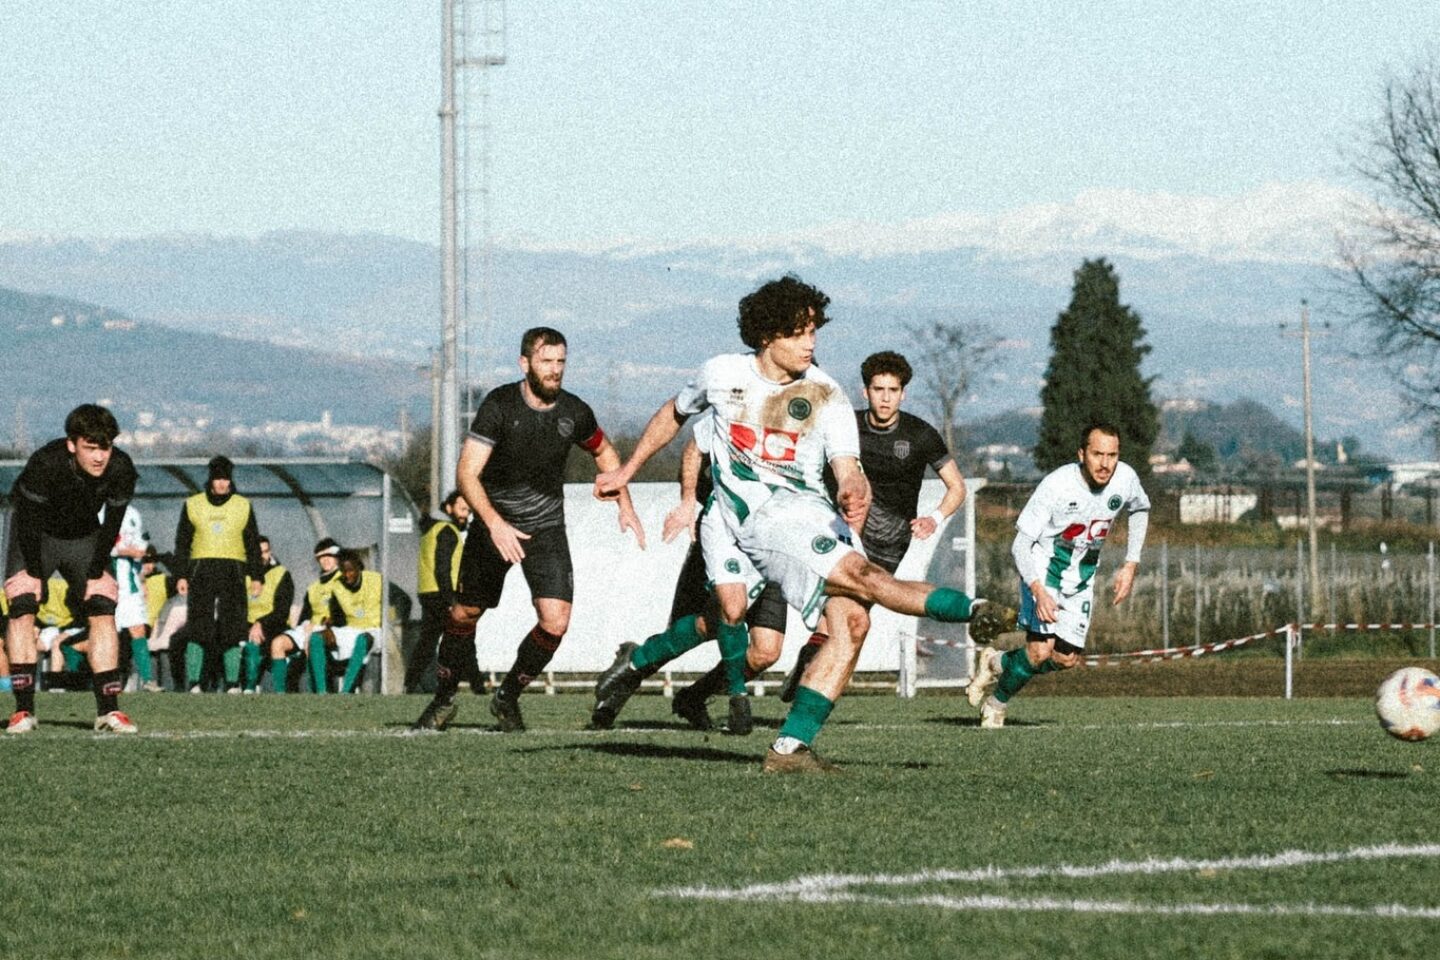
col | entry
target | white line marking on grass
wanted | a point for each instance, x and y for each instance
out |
(837, 888)
(1060, 905)
(1150, 725)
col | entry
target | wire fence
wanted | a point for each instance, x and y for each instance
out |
(1197, 595)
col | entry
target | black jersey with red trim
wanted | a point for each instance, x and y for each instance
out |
(525, 475)
(894, 459)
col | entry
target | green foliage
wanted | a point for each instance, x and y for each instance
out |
(1094, 373)
(281, 827)
(1200, 454)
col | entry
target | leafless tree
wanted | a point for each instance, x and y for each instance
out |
(1393, 257)
(946, 356)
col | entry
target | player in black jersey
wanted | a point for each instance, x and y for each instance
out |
(69, 501)
(895, 449)
(511, 472)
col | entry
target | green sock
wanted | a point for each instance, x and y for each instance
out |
(1017, 673)
(140, 656)
(947, 605)
(73, 658)
(194, 663)
(319, 659)
(251, 653)
(807, 715)
(665, 646)
(357, 662)
(231, 659)
(279, 673)
(734, 640)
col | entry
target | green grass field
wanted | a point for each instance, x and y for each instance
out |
(311, 827)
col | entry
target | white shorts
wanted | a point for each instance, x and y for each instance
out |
(48, 638)
(796, 541)
(345, 638)
(130, 611)
(725, 562)
(1071, 625)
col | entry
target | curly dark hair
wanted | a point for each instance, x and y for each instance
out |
(92, 422)
(780, 308)
(886, 361)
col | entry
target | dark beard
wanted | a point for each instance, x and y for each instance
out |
(538, 388)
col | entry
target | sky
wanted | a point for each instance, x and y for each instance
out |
(671, 121)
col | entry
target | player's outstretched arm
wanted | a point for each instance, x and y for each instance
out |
(682, 515)
(608, 459)
(661, 429)
(923, 527)
(852, 491)
(474, 455)
(1124, 580)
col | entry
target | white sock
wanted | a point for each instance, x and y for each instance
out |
(786, 745)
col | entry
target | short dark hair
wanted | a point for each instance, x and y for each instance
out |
(537, 337)
(780, 308)
(353, 557)
(886, 361)
(262, 539)
(92, 422)
(450, 499)
(1103, 426)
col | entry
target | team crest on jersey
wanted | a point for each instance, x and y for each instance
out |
(1114, 502)
(774, 445)
(822, 544)
(732, 565)
(799, 408)
(566, 426)
(902, 449)
(737, 394)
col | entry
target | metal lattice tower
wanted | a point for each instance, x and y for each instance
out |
(473, 43)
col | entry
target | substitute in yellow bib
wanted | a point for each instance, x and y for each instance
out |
(354, 624)
(269, 615)
(436, 579)
(217, 546)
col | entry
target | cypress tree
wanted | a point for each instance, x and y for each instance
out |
(1096, 347)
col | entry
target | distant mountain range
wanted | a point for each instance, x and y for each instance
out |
(1214, 283)
(63, 352)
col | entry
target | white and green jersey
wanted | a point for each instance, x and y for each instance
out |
(1065, 523)
(131, 536)
(766, 436)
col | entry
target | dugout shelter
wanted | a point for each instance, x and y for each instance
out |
(297, 501)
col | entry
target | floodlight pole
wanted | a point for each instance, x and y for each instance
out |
(449, 451)
(1310, 463)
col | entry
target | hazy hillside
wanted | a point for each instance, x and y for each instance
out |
(62, 352)
(640, 319)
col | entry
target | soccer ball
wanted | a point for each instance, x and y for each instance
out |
(1408, 703)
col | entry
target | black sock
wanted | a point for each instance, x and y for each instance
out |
(107, 691)
(22, 683)
(713, 683)
(534, 654)
(453, 661)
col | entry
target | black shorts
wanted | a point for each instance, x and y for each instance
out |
(547, 567)
(69, 558)
(693, 596)
(886, 555)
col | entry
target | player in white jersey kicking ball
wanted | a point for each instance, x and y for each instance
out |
(1057, 548)
(776, 421)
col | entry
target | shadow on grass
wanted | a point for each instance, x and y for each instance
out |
(975, 722)
(653, 751)
(1366, 774)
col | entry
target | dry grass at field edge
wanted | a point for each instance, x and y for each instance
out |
(1238, 677)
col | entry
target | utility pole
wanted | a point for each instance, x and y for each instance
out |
(449, 425)
(1310, 463)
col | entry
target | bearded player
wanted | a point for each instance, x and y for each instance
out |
(511, 473)
(1058, 537)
